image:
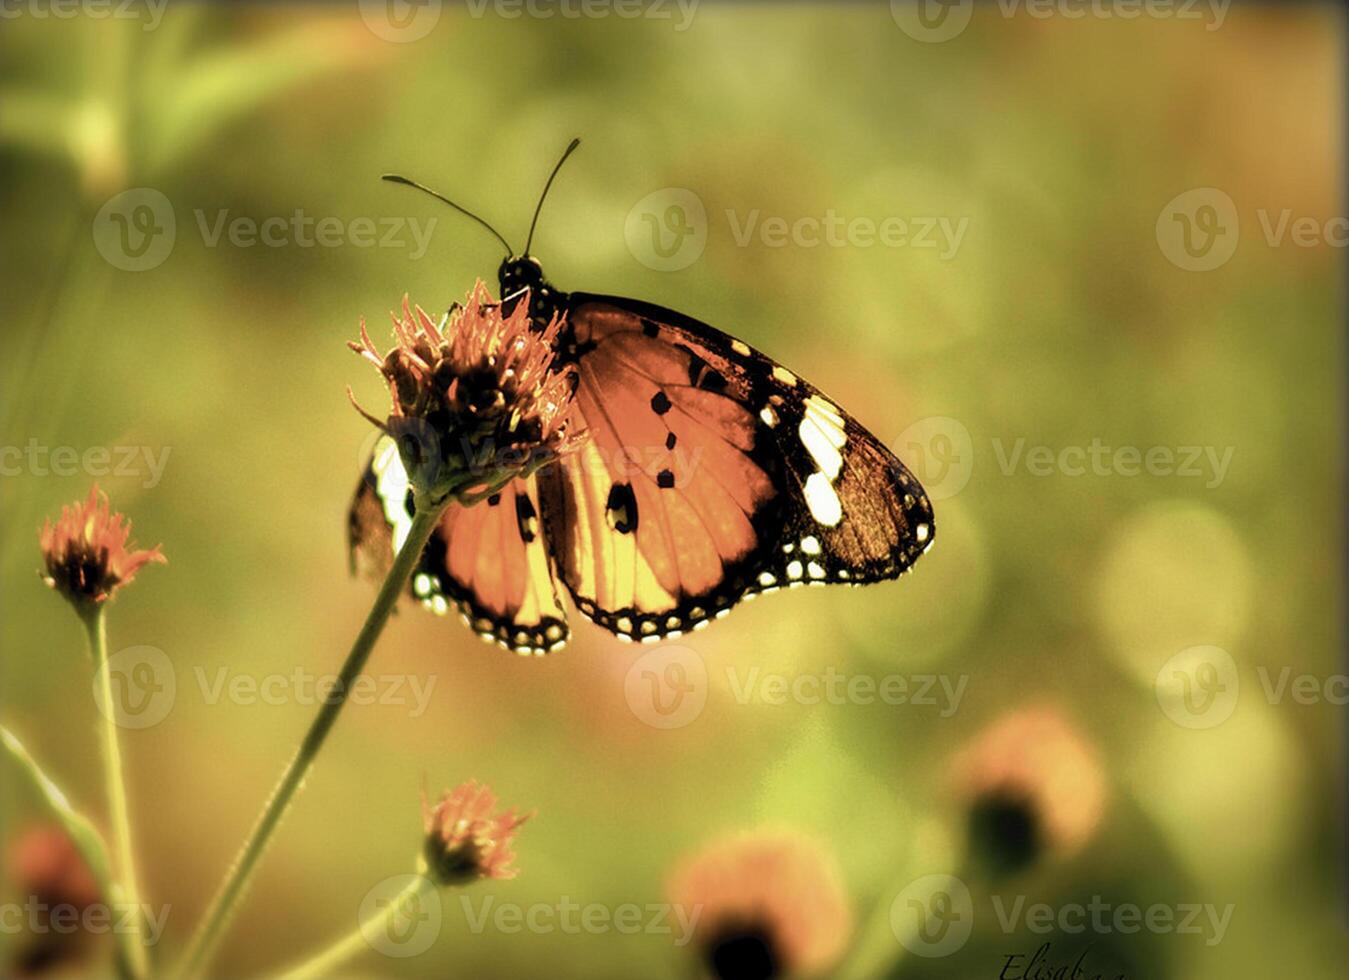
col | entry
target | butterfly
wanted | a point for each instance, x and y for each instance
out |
(707, 473)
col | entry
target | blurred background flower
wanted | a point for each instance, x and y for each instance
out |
(766, 905)
(1032, 788)
(57, 887)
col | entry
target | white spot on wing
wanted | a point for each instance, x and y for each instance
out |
(823, 500)
(391, 484)
(821, 431)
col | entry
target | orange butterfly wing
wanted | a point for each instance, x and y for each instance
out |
(709, 473)
(488, 560)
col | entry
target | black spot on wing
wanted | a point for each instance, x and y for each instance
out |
(621, 508)
(660, 403)
(526, 517)
(665, 479)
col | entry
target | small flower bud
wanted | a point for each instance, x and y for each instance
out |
(86, 553)
(464, 840)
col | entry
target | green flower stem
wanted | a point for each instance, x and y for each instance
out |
(354, 943)
(88, 841)
(236, 881)
(124, 861)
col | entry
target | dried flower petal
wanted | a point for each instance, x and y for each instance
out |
(86, 551)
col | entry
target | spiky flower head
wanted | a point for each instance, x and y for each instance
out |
(477, 396)
(87, 554)
(465, 841)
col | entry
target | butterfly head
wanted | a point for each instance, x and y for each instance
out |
(519, 272)
(523, 272)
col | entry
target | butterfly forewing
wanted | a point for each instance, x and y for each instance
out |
(710, 473)
(657, 520)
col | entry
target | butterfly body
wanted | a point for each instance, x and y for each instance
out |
(706, 473)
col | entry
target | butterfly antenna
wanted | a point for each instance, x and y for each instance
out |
(400, 179)
(539, 207)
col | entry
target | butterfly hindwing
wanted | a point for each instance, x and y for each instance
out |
(709, 473)
(488, 560)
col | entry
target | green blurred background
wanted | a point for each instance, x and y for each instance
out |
(1061, 318)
